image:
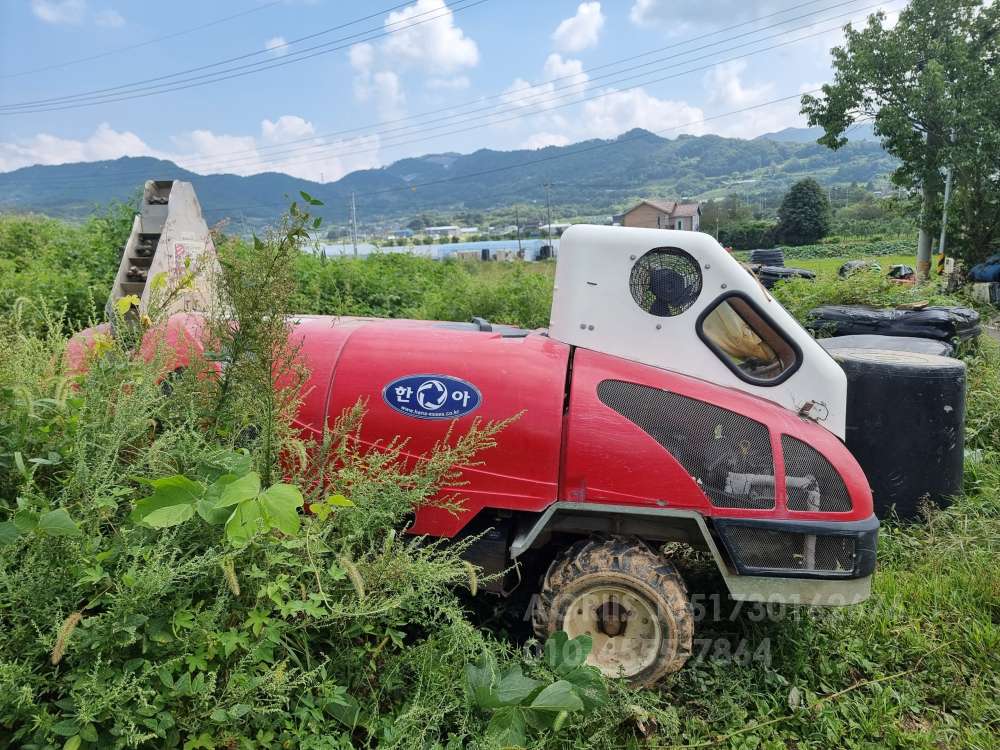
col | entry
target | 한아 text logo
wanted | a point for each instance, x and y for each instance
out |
(432, 396)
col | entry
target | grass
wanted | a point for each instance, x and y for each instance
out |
(828, 267)
(917, 666)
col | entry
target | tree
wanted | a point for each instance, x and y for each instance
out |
(926, 84)
(804, 216)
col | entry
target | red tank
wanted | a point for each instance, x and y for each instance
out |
(569, 443)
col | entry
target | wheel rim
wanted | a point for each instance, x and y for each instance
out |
(623, 625)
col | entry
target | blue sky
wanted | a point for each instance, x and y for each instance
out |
(412, 78)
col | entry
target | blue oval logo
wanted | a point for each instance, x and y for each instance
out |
(432, 396)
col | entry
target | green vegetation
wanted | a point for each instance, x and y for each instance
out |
(804, 214)
(399, 285)
(929, 84)
(71, 267)
(591, 179)
(157, 589)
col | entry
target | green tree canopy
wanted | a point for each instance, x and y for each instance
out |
(928, 83)
(804, 215)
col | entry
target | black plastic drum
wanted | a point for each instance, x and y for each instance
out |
(890, 343)
(905, 426)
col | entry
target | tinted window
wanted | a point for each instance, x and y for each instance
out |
(747, 342)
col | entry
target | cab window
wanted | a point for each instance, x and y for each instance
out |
(747, 342)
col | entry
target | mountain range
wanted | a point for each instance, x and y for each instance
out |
(587, 178)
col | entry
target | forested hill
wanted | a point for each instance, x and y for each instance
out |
(590, 177)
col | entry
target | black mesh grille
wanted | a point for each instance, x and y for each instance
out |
(811, 482)
(728, 454)
(767, 549)
(665, 282)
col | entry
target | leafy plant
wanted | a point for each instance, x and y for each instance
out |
(517, 702)
(233, 500)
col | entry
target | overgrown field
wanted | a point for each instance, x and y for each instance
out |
(158, 587)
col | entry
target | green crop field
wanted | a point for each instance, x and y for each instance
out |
(122, 626)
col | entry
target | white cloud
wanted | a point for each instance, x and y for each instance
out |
(563, 81)
(109, 18)
(727, 91)
(580, 31)
(206, 152)
(277, 46)
(388, 94)
(541, 140)
(286, 128)
(75, 12)
(59, 11)
(425, 35)
(105, 143)
(566, 74)
(618, 111)
(362, 57)
(725, 86)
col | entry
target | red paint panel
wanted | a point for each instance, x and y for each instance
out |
(358, 358)
(610, 459)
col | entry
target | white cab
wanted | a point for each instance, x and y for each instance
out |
(595, 307)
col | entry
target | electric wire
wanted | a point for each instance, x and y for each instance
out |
(327, 150)
(543, 90)
(121, 93)
(538, 160)
(138, 45)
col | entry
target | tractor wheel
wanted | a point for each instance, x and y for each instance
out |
(628, 599)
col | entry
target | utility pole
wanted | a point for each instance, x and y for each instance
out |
(944, 211)
(548, 205)
(354, 225)
(517, 229)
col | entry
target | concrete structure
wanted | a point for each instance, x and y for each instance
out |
(169, 261)
(650, 214)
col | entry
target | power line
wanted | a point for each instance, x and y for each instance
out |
(322, 150)
(148, 42)
(332, 150)
(544, 159)
(521, 101)
(237, 58)
(122, 93)
(543, 105)
(328, 150)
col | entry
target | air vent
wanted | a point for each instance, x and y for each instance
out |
(727, 454)
(665, 282)
(811, 482)
(755, 549)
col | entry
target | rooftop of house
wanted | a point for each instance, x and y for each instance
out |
(672, 208)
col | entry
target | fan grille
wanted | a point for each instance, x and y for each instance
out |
(665, 282)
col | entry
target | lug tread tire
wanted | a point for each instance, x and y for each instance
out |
(622, 558)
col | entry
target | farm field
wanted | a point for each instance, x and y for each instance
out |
(340, 634)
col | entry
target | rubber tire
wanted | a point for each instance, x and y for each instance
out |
(629, 563)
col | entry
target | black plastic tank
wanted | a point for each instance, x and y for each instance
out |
(905, 426)
(891, 343)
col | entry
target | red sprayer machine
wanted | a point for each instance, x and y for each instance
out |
(672, 399)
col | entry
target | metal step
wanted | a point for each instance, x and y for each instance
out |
(167, 232)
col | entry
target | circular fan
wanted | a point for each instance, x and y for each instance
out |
(665, 282)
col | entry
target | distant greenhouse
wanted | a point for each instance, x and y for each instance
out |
(532, 249)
